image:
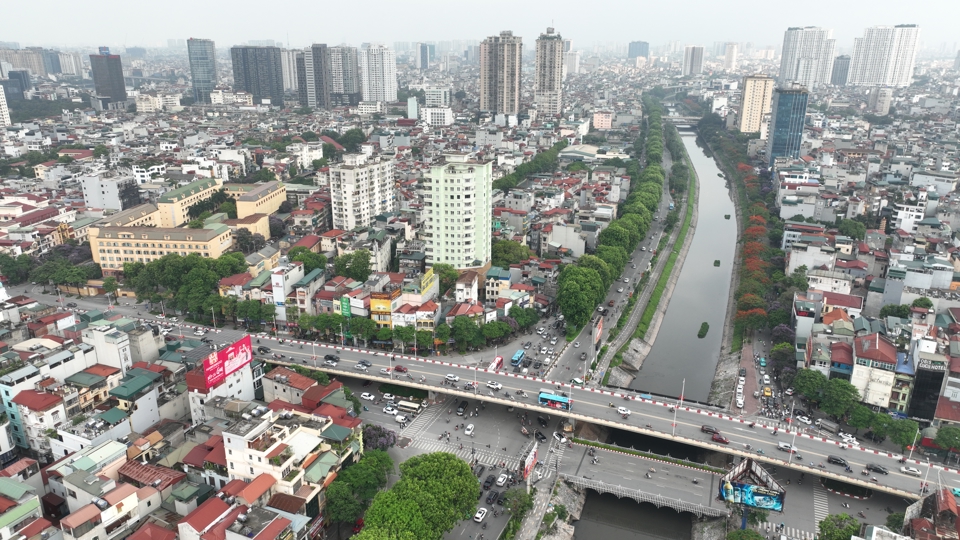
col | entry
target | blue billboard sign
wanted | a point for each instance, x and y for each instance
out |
(751, 495)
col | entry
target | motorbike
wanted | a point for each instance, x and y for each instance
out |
(760, 451)
(673, 409)
(611, 404)
(865, 473)
(861, 514)
(753, 424)
(624, 416)
(365, 408)
(798, 457)
(626, 398)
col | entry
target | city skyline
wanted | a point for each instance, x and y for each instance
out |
(749, 24)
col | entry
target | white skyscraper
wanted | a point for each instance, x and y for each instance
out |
(692, 60)
(807, 56)
(4, 110)
(571, 63)
(884, 56)
(288, 65)
(363, 188)
(378, 71)
(731, 56)
(548, 78)
(458, 205)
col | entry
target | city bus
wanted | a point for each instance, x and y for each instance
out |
(517, 358)
(496, 364)
(410, 407)
(554, 401)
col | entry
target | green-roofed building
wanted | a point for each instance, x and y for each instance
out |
(173, 205)
(114, 416)
(318, 470)
(336, 433)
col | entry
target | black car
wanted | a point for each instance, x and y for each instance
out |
(492, 496)
(837, 460)
(500, 499)
(462, 408)
(263, 350)
(479, 470)
(364, 363)
(540, 436)
(877, 468)
(743, 372)
(542, 421)
(71, 304)
(336, 358)
(537, 365)
(516, 369)
(709, 429)
(489, 481)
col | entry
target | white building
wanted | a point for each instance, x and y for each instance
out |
(692, 60)
(458, 207)
(112, 345)
(437, 96)
(437, 116)
(548, 78)
(107, 190)
(731, 56)
(571, 63)
(884, 56)
(500, 59)
(807, 57)
(4, 111)
(378, 71)
(362, 188)
(288, 68)
(306, 153)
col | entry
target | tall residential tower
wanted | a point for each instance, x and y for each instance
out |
(548, 78)
(884, 56)
(108, 75)
(378, 73)
(755, 103)
(203, 68)
(313, 76)
(458, 205)
(787, 115)
(807, 56)
(692, 60)
(344, 76)
(257, 70)
(500, 58)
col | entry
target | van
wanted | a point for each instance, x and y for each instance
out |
(577, 381)
(462, 408)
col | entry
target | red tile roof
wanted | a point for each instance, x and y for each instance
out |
(205, 514)
(36, 401)
(146, 475)
(947, 410)
(296, 380)
(876, 347)
(256, 489)
(272, 530)
(315, 394)
(152, 531)
(103, 370)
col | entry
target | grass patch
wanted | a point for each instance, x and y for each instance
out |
(704, 328)
(651, 455)
(716, 262)
(737, 339)
(403, 391)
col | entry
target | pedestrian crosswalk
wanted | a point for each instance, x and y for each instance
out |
(468, 451)
(792, 533)
(821, 503)
(423, 421)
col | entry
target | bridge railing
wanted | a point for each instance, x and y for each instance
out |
(641, 496)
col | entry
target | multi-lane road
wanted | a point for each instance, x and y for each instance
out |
(649, 416)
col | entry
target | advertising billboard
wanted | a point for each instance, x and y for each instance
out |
(597, 332)
(750, 495)
(530, 462)
(218, 365)
(740, 486)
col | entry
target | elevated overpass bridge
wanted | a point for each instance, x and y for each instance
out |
(654, 417)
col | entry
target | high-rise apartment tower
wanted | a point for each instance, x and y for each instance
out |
(257, 70)
(884, 56)
(500, 58)
(203, 68)
(548, 77)
(787, 115)
(756, 98)
(107, 72)
(807, 56)
(692, 60)
(378, 73)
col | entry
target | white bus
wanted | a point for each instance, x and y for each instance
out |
(410, 407)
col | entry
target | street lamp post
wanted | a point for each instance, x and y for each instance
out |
(214, 315)
(912, 446)
(924, 486)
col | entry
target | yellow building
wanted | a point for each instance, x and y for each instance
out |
(143, 215)
(256, 224)
(173, 205)
(382, 306)
(113, 246)
(257, 198)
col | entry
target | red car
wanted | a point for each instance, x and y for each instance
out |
(358, 526)
(400, 369)
(720, 439)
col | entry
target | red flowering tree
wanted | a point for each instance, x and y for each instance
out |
(752, 318)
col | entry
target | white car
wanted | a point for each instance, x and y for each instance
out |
(401, 419)
(389, 410)
(576, 344)
(367, 396)
(740, 402)
(626, 280)
(804, 420)
(541, 330)
(494, 384)
(481, 513)
(160, 316)
(623, 410)
(912, 471)
(389, 397)
(468, 430)
(385, 371)
(741, 381)
(502, 479)
(619, 289)
(452, 378)
(331, 363)
(560, 438)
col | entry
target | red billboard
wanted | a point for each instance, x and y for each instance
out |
(218, 365)
(598, 331)
(530, 462)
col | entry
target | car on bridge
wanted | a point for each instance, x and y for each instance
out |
(786, 447)
(494, 384)
(709, 429)
(877, 468)
(384, 371)
(331, 363)
(912, 471)
(333, 357)
(452, 378)
(718, 438)
(400, 369)
(623, 410)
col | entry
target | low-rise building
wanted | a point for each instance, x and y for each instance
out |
(113, 246)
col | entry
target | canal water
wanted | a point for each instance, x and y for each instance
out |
(700, 295)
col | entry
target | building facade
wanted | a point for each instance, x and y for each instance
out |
(638, 49)
(362, 187)
(378, 68)
(4, 111)
(692, 60)
(107, 70)
(313, 82)
(203, 68)
(258, 70)
(288, 69)
(113, 246)
(345, 87)
(548, 78)
(500, 59)
(458, 206)
(174, 205)
(731, 56)
(787, 116)
(756, 99)
(807, 56)
(841, 69)
(884, 56)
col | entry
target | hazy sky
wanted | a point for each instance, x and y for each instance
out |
(128, 23)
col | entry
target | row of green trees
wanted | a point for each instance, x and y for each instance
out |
(188, 284)
(543, 162)
(581, 287)
(356, 485)
(840, 399)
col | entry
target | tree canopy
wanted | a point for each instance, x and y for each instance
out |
(354, 265)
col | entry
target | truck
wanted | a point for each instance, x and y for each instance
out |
(827, 425)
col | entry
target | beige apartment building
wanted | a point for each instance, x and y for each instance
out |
(500, 58)
(755, 102)
(257, 198)
(173, 205)
(113, 246)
